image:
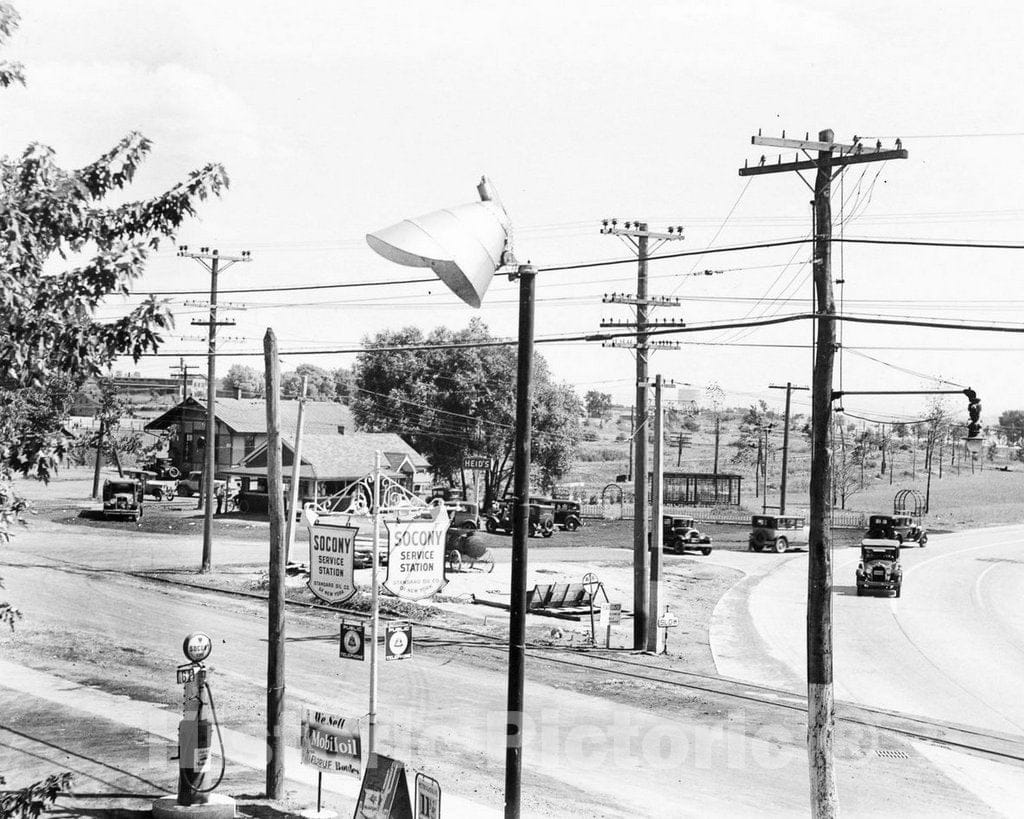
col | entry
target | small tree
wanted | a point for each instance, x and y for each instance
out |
(247, 379)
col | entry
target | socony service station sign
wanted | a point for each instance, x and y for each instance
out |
(331, 561)
(416, 555)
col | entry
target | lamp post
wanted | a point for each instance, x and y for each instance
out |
(466, 246)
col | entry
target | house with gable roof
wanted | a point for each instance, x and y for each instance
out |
(329, 463)
(241, 428)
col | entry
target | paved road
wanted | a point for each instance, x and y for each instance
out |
(587, 754)
(950, 649)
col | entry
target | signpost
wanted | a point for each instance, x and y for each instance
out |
(330, 743)
(478, 464)
(665, 622)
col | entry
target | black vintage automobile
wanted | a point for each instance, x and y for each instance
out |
(904, 528)
(680, 533)
(542, 518)
(567, 514)
(122, 498)
(879, 568)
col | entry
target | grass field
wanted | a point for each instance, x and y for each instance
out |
(993, 495)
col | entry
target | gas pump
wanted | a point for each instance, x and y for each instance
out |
(195, 731)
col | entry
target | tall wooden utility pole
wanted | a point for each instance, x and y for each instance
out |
(820, 692)
(214, 263)
(293, 500)
(637, 236)
(275, 608)
(655, 641)
(785, 443)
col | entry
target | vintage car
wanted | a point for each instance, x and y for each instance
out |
(879, 568)
(192, 484)
(910, 529)
(777, 533)
(567, 514)
(542, 518)
(122, 498)
(152, 485)
(679, 534)
(463, 514)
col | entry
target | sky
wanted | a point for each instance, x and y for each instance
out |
(336, 119)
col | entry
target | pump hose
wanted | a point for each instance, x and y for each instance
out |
(220, 740)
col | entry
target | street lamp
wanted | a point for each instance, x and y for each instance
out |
(466, 246)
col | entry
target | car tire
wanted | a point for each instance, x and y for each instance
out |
(169, 497)
(781, 545)
(898, 590)
(548, 532)
(860, 592)
(469, 526)
(244, 506)
(705, 551)
(158, 494)
(572, 524)
(757, 547)
(174, 472)
(491, 526)
(455, 560)
(923, 541)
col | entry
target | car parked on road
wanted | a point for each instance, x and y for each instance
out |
(464, 515)
(879, 568)
(542, 518)
(568, 514)
(679, 534)
(122, 498)
(778, 533)
(152, 485)
(910, 529)
(192, 484)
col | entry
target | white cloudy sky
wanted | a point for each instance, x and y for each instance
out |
(334, 119)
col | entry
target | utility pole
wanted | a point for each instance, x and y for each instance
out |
(275, 595)
(820, 689)
(655, 642)
(716, 443)
(289, 536)
(182, 370)
(99, 460)
(764, 468)
(785, 443)
(637, 236)
(212, 261)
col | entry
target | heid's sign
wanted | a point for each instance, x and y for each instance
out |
(331, 561)
(416, 555)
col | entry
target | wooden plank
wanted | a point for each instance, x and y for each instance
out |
(811, 164)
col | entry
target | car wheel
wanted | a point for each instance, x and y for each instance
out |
(860, 592)
(757, 547)
(159, 494)
(572, 524)
(170, 496)
(174, 472)
(923, 541)
(244, 506)
(705, 551)
(548, 532)
(455, 560)
(469, 526)
(491, 526)
(898, 590)
(781, 544)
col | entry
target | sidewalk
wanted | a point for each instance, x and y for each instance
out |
(119, 749)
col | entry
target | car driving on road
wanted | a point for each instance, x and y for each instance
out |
(778, 533)
(680, 533)
(879, 568)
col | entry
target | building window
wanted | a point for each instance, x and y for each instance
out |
(341, 429)
(250, 443)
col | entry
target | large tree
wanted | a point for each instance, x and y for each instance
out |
(246, 379)
(457, 398)
(64, 252)
(1011, 424)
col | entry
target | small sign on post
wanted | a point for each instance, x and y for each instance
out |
(330, 743)
(398, 641)
(353, 640)
(474, 462)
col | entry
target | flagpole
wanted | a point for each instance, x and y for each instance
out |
(375, 614)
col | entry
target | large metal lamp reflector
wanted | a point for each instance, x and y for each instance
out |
(463, 245)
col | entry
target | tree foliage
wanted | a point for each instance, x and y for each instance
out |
(597, 403)
(247, 379)
(458, 401)
(1012, 425)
